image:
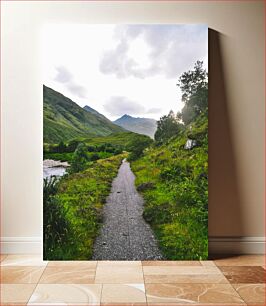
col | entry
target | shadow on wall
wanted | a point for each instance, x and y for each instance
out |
(225, 217)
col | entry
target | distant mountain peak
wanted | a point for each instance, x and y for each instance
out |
(90, 109)
(125, 116)
(93, 111)
(145, 126)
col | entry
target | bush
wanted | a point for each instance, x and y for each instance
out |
(94, 157)
(55, 224)
(145, 186)
(91, 148)
(80, 159)
(137, 146)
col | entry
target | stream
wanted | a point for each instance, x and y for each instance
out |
(54, 168)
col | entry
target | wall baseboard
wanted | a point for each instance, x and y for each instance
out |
(21, 245)
(236, 245)
(217, 245)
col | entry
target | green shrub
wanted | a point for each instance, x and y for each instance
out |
(137, 146)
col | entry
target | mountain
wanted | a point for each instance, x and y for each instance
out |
(93, 111)
(64, 119)
(144, 126)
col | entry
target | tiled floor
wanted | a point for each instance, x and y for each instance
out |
(27, 280)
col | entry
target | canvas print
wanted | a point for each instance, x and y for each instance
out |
(125, 142)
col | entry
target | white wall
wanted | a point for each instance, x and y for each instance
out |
(236, 207)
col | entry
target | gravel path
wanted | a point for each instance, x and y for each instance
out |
(124, 234)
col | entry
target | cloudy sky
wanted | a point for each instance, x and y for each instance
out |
(122, 69)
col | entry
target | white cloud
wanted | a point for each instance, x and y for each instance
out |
(153, 110)
(144, 51)
(91, 63)
(64, 76)
(119, 106)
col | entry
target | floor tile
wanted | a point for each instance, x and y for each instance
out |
(119, 272)
(77, 263)
(126, 304)
(251, 293)
(192, 293)
(68, 275)
(242, 260)
(2, 256)
(183, 274)
(15, 304)
(73, 294)
(23, 260)
(131, 263)
(196, 304)
(171, 263)
(209, 263)
(154, 270)
(244, 274)
(21, 275)
(16, 293)
(123, 293)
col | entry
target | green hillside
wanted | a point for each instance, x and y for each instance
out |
(174, 183)
(65, 120)
(122, 139)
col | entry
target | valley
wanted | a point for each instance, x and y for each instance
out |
(143, 195)
(93, 148)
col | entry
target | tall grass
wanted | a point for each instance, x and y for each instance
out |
(174, 183)
(73, 210)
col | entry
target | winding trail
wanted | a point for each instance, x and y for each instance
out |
(124, 234)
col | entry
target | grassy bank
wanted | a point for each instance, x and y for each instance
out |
(97, 147)
(174, 183)
(77, 202)
(68, 156)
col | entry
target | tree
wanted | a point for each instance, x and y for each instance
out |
(194, 88)
(118, 150)
(79, 159)
(94, 157)
(61, 147)
(137, 146)
(192, 81)
(167, 127)
(52, 148)
(91, 148)
(188, 114)
(72, 145)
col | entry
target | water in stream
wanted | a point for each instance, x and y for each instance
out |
(54, 168)
(53, 171)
